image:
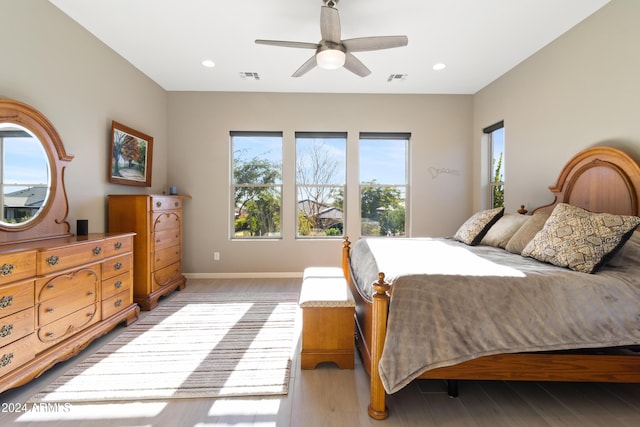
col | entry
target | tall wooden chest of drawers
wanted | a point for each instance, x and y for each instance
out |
(157, 222)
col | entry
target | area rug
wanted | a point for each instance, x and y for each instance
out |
(192, 345)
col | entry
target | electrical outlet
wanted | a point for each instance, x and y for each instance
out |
(216, 256)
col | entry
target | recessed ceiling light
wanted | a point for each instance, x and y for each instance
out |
(208, 63)
(439, 66)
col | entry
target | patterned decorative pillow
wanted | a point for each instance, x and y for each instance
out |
(501, 232)
(581, 240)
(474, 229)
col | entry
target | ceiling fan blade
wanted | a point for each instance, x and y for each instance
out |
(375, 43)
(306, 67)
(330, 24)
(354, 65)
(283, 43)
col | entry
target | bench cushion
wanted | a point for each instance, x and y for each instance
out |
(325, 288)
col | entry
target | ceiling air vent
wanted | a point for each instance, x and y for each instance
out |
(249, 76)
(396, 77)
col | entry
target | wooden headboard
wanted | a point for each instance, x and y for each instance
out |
(599, 179)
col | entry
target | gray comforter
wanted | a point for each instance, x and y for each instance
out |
(452, 302)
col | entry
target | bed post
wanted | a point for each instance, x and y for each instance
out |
(346, 250)
(377, 405)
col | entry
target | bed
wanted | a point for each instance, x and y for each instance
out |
(494, 304)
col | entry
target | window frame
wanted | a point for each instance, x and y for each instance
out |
(493, 184)
(278, 185)
(405, 187)
(299, 135)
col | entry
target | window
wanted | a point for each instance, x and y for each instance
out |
(256, 184)
(496, 178)
(320, 183)
(383, 184)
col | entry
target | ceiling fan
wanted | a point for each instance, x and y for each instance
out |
(331, 51)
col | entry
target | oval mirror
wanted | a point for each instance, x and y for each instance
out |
(32, 163)
(25, 175)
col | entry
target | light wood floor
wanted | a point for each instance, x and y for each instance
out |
(328, 396)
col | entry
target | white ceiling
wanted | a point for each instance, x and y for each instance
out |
(479, 40)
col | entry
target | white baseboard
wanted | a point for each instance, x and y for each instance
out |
(270, 275)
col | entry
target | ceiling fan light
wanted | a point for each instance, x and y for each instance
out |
(330, 59)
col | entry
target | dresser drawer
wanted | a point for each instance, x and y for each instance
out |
(114, 266)
(58, 259)
(165, 239)
(53, 309)
(165, 203)
(16, 354)
(16, 297)
(116, 284)
(16, 266)
(117, 245)
(165, 275)
(67, 284)
(112, 305)
(62, 328)
(165, 221)
(164, 257)
(16, 326)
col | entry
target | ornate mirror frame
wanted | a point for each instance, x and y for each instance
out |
(51, 220)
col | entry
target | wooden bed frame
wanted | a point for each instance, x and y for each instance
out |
(600, 179)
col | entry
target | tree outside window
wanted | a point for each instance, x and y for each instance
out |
(496, 184)
(383, 184)
(320, 182)
(257, 184)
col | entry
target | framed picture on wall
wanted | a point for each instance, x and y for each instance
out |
(131, 155)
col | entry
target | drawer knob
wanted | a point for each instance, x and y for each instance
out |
(97, 250)
(6, 301)
(6, 269)
(176, 204)
(118, 265)
(118, 245)
(118, 284)
(50, 310)
(6, 360)
(52, 260)
(6, 330)
(51, 286)
(49, 334)
(90, 293)
(118, 302)
(158, 204)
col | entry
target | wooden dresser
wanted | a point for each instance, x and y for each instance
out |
(58, 295)
(157, 222)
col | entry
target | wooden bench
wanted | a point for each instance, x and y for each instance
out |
(327, 318)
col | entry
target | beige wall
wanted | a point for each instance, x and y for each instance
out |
(580, 91)
(80, 85)
(199, 128)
